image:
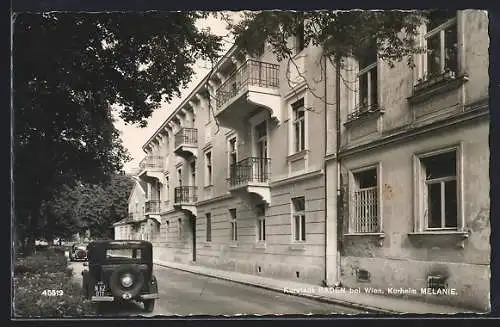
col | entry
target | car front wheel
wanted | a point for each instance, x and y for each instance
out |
(149, 305)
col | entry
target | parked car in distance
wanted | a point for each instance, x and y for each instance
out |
(78, 252)
(120, 271)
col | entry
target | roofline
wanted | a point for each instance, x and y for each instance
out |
(188, 98)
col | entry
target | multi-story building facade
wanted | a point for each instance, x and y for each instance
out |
(414, 161)
(367, 175)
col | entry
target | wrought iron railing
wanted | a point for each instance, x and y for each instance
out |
(365, 207)
(250, 170)
(152, 206)
(186, 195)
(186, 136)
(361, 111)
(252, 72)
(151, 162)
(429, 80)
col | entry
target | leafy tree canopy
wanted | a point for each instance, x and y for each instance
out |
(340, 34)
(69, 71)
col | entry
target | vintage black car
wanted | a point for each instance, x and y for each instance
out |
(78, 252)
(120, 271)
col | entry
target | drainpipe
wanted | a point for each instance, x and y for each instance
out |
(325, 282)
(340, 217)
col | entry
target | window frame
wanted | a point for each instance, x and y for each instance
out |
(422, 67)
(233, 223)
(301, 236)
(352, 182)
(298, 141)
(261, 224)
(179, 229)
(419, 182)
(208, 168)
(230, 153)
(208, 227)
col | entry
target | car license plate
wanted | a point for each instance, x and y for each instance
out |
(100, 289)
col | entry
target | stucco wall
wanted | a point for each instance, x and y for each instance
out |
(403, 260)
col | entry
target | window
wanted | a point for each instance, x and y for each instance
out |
(233, 156)
(367, 78)
(179, 224)
(167, 186)
(124, 253)
(299, 219)
(192, 167)
(440, 194)
(261, 223)
(441, 44)
(208, 217)
(300, 34)
(179, 177)
(234, 225)
(365, 202)
(208, 165)
(299, 125)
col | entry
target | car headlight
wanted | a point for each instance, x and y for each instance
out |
(127, 280)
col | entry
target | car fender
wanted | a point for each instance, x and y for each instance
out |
(153, 285)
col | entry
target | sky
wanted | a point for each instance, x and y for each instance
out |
(134, 137)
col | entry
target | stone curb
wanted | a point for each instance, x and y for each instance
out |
(319, 298)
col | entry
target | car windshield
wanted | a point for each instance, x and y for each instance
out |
(124, 253)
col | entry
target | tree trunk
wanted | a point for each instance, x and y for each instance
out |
(33, 227)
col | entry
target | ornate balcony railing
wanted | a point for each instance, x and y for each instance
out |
(186, 195)
(186, 136)
(361, 111)
(254, 73)
(250, 170)
(151, 162)
(152, 206)
(433, 79)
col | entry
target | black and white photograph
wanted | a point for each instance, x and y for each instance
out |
(229, 163)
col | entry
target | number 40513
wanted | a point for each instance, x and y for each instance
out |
(52, 292)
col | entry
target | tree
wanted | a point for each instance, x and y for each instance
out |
(69, 71)
(339, 34)
(87, 207)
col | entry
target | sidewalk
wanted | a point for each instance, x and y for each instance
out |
(367, 302)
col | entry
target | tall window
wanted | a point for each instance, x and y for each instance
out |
(192, 167)
(365, 206)
(208, 165)
(208, 218)
(440, 191)
(441, 43)
(300, 34)
(234, 225)
(299, 219)
(261, 223)
(179, 177)
(179, 229)
(367, 78)
(233, 157)
(299, 133)
(167, 186)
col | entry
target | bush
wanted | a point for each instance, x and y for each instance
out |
(47, 271)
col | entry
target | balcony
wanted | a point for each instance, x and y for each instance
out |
(151, 166)
(251, 175)
(186, 143)
(252, 86)
(185, 198)
(152, 207)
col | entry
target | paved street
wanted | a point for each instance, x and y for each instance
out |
(183, 293)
